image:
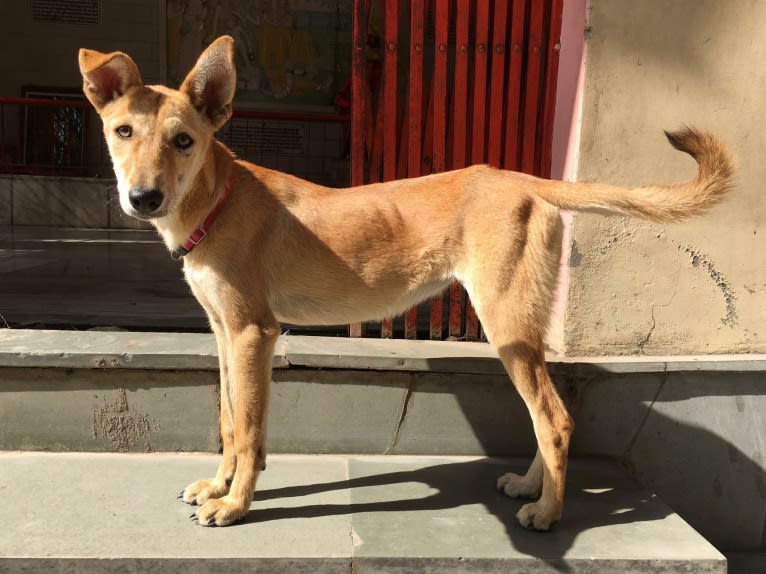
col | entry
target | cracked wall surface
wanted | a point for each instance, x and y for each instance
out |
(695, 287)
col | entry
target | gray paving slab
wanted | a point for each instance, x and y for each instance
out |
(409, 512)
(118, 513)
(96, 512)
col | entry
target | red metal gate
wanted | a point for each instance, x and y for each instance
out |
(442, 84)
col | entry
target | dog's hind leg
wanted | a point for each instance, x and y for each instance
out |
(519, 342)
(523, 357)
(529, 485)
(510, 281)
(521, 351)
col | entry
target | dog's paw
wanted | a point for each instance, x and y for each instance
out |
(517, 486)
(219, 512)
(201, 491)
(533, 517)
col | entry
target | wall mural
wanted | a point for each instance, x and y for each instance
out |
(294, 53)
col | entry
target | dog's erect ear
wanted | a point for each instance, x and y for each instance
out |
(213, 81)
(106, 77)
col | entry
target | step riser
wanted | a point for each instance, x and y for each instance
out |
(311, 411)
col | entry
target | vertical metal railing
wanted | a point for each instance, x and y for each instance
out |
(47, 136)
(463, 82)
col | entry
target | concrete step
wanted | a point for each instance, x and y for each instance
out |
(690, 428)
(119, 513)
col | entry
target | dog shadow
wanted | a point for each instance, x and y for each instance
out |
(600, 493)
(463, 485)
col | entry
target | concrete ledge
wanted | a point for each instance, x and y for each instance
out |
(192, 351)
(119, 513)
(79, 202)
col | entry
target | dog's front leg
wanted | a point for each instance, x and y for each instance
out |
(200, 491)
(249, 353)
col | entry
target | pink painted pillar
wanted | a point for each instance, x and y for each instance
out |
(566, 139)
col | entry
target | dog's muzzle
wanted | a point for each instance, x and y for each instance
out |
(145, 201)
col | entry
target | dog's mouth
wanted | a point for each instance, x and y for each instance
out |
(157, 214)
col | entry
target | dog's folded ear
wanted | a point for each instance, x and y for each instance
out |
(106, 77)
(212, 82)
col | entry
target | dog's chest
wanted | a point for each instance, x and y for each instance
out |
(205, 285)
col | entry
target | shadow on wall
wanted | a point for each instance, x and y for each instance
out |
(701, 449)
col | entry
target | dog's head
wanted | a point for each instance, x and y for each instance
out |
(158, 137)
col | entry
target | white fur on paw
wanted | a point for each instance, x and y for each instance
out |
(220, 512)
(533, 517)
(517, 486)
(199, 492)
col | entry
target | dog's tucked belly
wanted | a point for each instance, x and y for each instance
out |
(337, 308)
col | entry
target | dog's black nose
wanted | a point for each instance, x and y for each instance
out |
(145, 201)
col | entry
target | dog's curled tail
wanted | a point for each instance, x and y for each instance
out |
(662, 203)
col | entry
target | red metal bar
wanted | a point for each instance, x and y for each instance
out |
(479, 109)
(376, 153)
(390, 97)
(415, 120)
(478, 138)
(532, 87)
(434, 305)
(551, 77)
(404, 142)
(415, 92)
(358, 105)
(390, 94)
(512, 158)
(497, 82)
(459, 138)
(427, 147)
(472, 327)
(460, 97)
(439, 89)
(439, 147)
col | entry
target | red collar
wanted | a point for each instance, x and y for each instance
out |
(201, 232)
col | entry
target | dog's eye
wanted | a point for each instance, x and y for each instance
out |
(124, 132)
(183, 141)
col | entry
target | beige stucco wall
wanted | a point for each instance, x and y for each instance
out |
(698, 286)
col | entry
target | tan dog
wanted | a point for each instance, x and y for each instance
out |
(277, 248)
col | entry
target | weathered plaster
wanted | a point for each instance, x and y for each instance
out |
(696, 287)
